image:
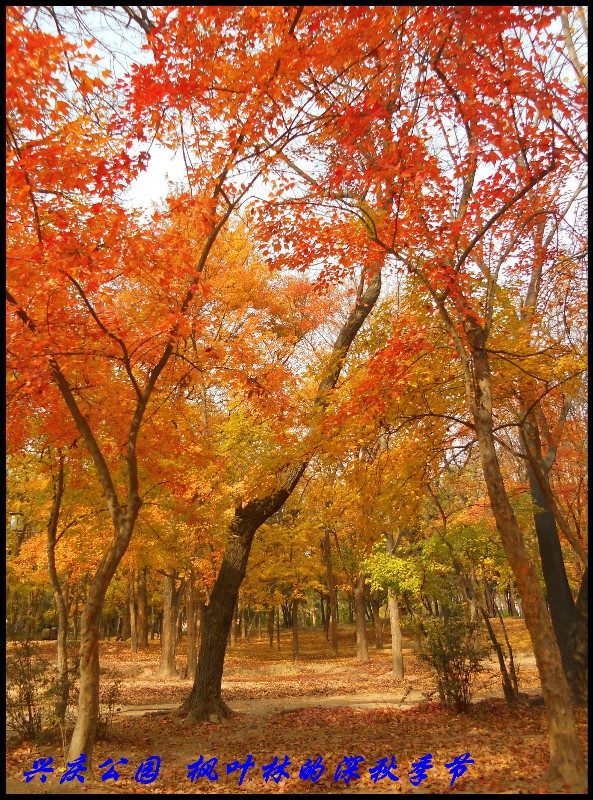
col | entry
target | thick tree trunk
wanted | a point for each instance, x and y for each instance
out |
(579, 641)
(83, 737)
(167, 668)
(205, 700)
(142, 616)
(558, 594)
(362, 647)
(378, 625)
(397, 656)
(295, 630)
(566, 759)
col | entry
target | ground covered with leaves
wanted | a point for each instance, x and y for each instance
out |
(508, 747)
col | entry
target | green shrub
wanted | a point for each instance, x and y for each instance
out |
(453, 648)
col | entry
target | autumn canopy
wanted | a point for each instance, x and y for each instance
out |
(354, 324)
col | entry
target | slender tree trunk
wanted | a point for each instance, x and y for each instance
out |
(59, 599)
(244, 612)
(295, 630)
(566, 759)
(376, 610)
(278, 627)
(509, 686)
(142, 617)
(233, 631)
(132, 607)
(397, 654)
(126, 627)
(167, 667)
(362, 648)
(192, 649)
(271, 625)
(179, 619)
(153, 622)
(333, 594)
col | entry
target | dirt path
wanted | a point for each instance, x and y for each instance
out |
(404, 698)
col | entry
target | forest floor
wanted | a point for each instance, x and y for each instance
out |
(320, 706)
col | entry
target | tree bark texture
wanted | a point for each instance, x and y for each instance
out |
(191, 611)
(271, 625)
(566, 759)
(59, 599)
(579, 645)
(295, 630)
(378, 625)
(397, 654)
(142, 616)
(171, 597)
(362, 647)
(133, 618)
(333, 594)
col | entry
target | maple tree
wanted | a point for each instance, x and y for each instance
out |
(441, 143)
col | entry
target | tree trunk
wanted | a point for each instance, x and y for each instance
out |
(376, 611)
(244, 612)
(142, 617)
(558, 594)
(233, 631)
(153, 623)
(167, 667)
(333, 594)
(192, 649)
(132, 607)
(83, 737)
(579, 662)
(397, 654)
(295, 630)
(351, 609)
(205, 701)
(126, 627)
(509, 681)
(362, 648)
(59, 599)
(278, 627)
(271, 625)
(566, 759)
(179, 620)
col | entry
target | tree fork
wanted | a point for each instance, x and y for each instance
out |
(204, 702)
